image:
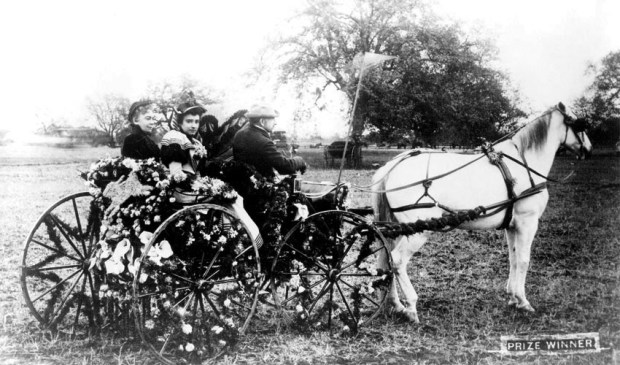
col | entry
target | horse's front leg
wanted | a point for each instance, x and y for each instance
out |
(510, 239)
(521, 231)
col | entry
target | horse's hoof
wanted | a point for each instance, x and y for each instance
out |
(410, 316)
(527, 307)
(513, 301)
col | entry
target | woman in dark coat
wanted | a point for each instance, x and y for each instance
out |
(139, 145)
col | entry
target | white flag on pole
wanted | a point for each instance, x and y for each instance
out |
(368, 60)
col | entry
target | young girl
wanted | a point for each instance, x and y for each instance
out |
(183, 153)
(138, 145)
(181, 149)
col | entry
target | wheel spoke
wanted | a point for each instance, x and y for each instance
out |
(364, 295)
(34, 268)
(329, 310)
(144, 295)
(167, 339)
(182, 278)
(224, 281)
(65, 254)
(217, 253)
(244, 252)
(347, 304)
(346, 251)
(64, 300)
(66, 235)
(56, 286)
(297, 294)
(213, 306)
(370, 254)
(359, 274)
(182, 299)
(79, 307)
(95, 309)
(79, 224)
(307, 257)
(233, 301)
(321, 293)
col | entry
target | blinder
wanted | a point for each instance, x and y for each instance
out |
(579, 125)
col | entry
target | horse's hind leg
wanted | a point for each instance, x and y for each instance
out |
(404, 249)
(520, 235)
(393, 302)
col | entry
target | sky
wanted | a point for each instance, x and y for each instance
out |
(56, 54)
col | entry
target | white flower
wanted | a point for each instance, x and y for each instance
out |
(189, 347)
(145, 237)
(187, 328)
(227, 303)
(181, 312)
(345, 328)
(222, 239)
(131, 163)
(172, 200)
(299, 308)
(217, 329)
(294, 282)
(229, 322)
(222, 343)
(149, 324)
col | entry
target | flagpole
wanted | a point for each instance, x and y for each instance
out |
(357, 93)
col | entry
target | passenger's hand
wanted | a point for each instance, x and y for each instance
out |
(303, 168)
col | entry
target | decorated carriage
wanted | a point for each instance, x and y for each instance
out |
(176, 260)
(171, 258)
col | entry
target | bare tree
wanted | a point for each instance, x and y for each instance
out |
(110, 113)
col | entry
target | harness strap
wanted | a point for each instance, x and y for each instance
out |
(531, 169)
(422, 181)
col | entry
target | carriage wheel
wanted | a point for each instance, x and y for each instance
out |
(326, 275)
(60, 290)
(196, 286)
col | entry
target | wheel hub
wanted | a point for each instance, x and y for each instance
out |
(204, 285)
(333, 275)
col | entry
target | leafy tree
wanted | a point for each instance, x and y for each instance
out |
(110, 113)
(601, 100)
(440, 89)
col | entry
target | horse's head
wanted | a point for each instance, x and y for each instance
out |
(575, 138)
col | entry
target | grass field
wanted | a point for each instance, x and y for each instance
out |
(573, 282)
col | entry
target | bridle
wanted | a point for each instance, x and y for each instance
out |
(578, 126)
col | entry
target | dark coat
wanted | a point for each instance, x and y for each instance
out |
(139, 146)
(253, 146)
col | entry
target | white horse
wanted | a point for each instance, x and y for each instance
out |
(400, 186)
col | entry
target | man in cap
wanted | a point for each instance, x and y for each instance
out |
(253, 145)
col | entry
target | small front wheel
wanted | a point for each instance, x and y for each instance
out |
(330, 271)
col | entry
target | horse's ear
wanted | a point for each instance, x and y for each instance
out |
(561, 107)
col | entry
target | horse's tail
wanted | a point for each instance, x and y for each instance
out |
(380, 204)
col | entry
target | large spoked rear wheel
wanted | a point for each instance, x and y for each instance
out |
(327, 275)
(60, 290)
(196, 287)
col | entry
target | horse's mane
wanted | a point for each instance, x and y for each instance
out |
(534, 134)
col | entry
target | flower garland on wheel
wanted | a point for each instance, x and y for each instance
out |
(131, 199)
